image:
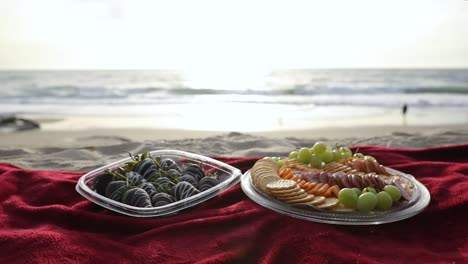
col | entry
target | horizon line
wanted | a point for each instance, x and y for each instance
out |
(269, 69)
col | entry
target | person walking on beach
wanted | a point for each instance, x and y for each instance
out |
(403, 113)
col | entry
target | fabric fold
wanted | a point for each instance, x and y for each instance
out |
(44, 220)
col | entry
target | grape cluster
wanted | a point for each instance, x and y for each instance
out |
(368, 198)
(321, 154)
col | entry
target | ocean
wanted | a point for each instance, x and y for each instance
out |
(255, 101)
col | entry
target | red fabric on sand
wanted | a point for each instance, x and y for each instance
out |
(44, 220)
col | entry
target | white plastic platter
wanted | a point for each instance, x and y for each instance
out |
(419, 200)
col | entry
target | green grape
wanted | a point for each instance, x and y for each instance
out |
(326, 156)
(304, 155)
(319, 147)
(275, 159)
(336, 155)
(281, 163)
(293, 154)
(370, 157)
(345, 155)
(348, 197)
(384, 200)
(315, 161)
(358, 156)
(394, 192)
(357, 191)
(369, 189)
(366, 201)
(345, 152)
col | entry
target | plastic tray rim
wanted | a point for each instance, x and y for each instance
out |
(83, 189)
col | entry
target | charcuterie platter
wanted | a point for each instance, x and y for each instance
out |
(333, 185)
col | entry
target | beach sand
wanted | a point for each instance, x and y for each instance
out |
(84, 150)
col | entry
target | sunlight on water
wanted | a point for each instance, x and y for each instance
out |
(231, 117)
(226, 78)
(252, 99)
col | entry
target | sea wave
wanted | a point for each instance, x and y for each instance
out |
(72, 91)
(367, 100)
(302, 89)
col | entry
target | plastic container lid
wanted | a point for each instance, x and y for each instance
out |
(419, 200)
(228, 176)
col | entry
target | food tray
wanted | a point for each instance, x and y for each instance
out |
(419, 200)
(228, 176)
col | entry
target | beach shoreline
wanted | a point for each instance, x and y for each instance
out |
(105, 136)
(83, 150)
(253, 119)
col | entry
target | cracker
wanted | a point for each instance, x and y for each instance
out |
(317, 200)
(292, 195)
(264, 181)
(264, 172)
(282, 185)
(263, 168)
(328, 203)
(307, 198)
(288, 191)
(265, 163)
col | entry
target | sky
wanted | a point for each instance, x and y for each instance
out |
(218, 34)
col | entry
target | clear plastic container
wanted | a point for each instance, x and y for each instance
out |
(228, 176)
(419, 200)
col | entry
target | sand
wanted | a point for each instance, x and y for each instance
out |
(84, 150)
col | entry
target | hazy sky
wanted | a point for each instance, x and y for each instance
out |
(219, 34)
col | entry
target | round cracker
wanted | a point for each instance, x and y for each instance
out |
(329, 203)
(264, 181)
(263, 172)
(280, 192)
(292, 195)
(307, 198)
(258, 178)
(265, 163)
(317, 200)
(282, 185)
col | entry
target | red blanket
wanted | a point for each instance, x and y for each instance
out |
(44, 220)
